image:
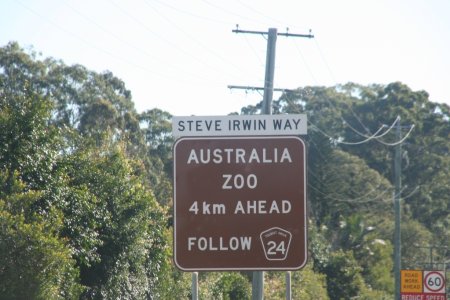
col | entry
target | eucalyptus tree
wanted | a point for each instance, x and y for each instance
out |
(78, 217)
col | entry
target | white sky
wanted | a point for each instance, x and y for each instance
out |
(180, 55)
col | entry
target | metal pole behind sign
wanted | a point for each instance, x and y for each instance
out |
(288, 286)
(194, 286)
(258, 285)
(270, 72)
(258, 277)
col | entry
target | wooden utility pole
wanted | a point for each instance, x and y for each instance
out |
(397, 198)
(258, 276)
(397, 205)
(270, 65)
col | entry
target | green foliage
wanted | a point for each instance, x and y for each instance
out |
(172, 283)
(319, 246)
(98, 117)
(425, 158)
(349, 183)
(414, 237)
(377, 266)
(80, 200)
(344, 279)
(224, 286)
(347, 186)
(34, 262)
(28, 144)
(157, 130)
(307, 284)
(232, 286)
(122, 258)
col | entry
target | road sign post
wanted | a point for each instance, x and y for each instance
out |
(239, 203)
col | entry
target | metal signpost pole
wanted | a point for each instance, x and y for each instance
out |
(288, 286)
(194, 286)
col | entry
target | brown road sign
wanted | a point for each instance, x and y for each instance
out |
(240, 203)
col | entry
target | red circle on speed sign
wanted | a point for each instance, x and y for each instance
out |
(434, 281)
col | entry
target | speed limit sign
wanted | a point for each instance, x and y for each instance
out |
(434, 281)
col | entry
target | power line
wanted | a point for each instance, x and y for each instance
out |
(224, 10)
(402, 140)
(361, 199)
(254, 51)
(162, 38)
(337, 141)
(203, 17)
(334, 196)
(322, 56)
(305, 63)
(258, 12)
(325, 62)
(126, 61)
(381, 135)
(79, 38)
(367, 138)
(193, 38)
